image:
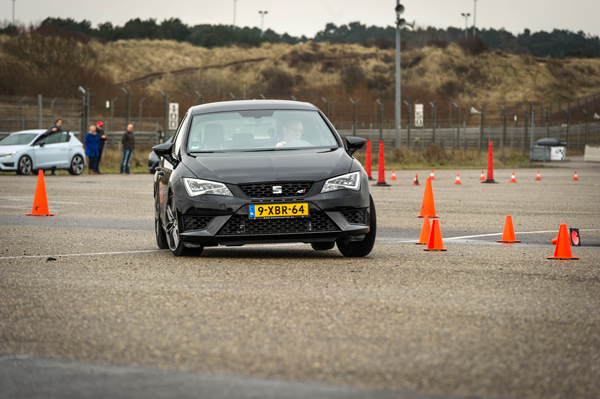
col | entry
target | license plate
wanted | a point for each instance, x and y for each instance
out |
(271, 211)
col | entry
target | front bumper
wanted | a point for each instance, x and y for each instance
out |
(8, 166)
(220, 220)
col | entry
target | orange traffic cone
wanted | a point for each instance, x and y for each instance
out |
(432, 176)
(482, 178)
(40, 201)
(425, 231)
(575, 178)
(457, 181)
(393, 175)
(538, 177)
(428, 206)
(508, 236)
(435, 238)
(563, 246)
(513, 179)
(416, 181)
(381, 167)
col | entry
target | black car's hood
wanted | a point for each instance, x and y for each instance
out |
(302, 165)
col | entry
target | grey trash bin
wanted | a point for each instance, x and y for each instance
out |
(550, 149)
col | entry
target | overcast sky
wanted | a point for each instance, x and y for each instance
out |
(298, 17)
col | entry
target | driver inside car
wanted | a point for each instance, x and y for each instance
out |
(292, 131)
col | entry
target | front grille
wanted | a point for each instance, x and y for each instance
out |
(196, 222)
(356, 216)
(241, 224)
(265, 190)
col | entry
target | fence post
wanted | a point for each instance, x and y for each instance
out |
(503, 133)
(166, 112)
(434, 121)
(547, 122)
(568, 128)
(587, 125)
(380, 119)
(465, 134)
(578, 131)
(408, 125)
(354, 103)
(532, 130)
(40, 111)
(524, 139)
(457, 138)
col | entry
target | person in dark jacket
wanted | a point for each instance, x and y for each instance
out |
(128, 142)
(102, 136)
(92, 141)
(57, 127)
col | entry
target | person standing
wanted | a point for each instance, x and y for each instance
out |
(92, 141)
(128, 142)
(57, 127)
(102, 136)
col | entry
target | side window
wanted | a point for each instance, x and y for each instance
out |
(65, 137)
(179, 134)
(54, 138)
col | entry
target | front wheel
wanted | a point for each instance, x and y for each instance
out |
(159, 232)
(25, 165)
(77, 165)
(361, 248)
(173, 240)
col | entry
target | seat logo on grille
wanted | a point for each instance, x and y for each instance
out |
(277, 190)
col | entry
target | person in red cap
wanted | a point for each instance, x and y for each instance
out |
(102, 136)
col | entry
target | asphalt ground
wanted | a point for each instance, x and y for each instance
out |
(113, 316)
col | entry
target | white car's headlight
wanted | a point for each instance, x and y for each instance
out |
(350, 181)
(7, 154)
(197, 187)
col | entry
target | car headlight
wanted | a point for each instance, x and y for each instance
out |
(7, 154)
(350, 181)
(197, 187)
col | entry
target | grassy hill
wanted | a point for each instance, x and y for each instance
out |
(308, 71)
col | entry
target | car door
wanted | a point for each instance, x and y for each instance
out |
(51, 151)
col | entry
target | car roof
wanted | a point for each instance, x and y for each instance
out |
(246, 105)
(36, 131)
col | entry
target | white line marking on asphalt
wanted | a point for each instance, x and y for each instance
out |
(523, 232)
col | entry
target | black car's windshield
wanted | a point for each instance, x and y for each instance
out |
(18, 139)
(259, 130)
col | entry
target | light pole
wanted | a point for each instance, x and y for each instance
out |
(474, 16)
(234, 5)
(400, 23)
(466, 15)
(262, 21)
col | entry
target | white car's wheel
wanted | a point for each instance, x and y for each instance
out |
(77, 165)
(25, 165)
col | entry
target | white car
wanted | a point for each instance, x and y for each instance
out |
(32, 150)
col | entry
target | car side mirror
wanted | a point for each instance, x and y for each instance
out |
(42, 143)
(164, 151)
(354, 144)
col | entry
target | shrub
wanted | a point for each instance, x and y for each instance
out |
(472, 45)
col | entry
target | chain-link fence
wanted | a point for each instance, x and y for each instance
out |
(575, 121)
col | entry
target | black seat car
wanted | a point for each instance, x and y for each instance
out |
(250, 172)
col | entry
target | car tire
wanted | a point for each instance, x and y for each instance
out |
(357, 249)
(77, 165)
(159, 232)
(25, 166)
(172, 234)
(322, 246)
